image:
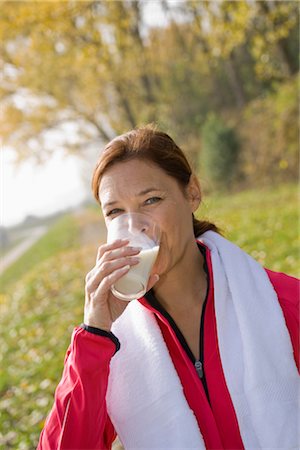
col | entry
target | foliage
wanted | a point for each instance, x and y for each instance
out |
(220, 150)
(269, 131)
(91, 70)
(270, 47)
(40, 308)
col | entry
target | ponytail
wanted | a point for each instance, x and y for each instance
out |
(201, 226)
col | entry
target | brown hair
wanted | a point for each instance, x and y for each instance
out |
(147, 143)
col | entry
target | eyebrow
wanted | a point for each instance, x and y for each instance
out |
(144, 192)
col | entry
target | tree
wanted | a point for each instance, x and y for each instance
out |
(82, 72)
(77, 62)
(275, 30)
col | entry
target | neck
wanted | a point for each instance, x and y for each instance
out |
(184, 287)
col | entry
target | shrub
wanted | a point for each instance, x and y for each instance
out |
(219, 153)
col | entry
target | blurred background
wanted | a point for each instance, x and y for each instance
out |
(221, 77)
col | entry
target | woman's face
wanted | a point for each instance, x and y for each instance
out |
(141, 186)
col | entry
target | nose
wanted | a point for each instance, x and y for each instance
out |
(137, 226)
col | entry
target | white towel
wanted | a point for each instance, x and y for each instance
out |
(145, 399)
(255, 347)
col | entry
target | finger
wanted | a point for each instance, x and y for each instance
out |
(112, 278)
(98, 255)
(106, 268)
(119, 253)
(111, 246)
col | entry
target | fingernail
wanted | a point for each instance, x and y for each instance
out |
(135, 259)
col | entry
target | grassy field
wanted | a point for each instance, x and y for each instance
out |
(264, 223)
(42, 295)
(41, 301)
(61, 236)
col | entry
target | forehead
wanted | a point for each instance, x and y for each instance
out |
(131, 177)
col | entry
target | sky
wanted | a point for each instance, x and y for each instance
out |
(39, 189)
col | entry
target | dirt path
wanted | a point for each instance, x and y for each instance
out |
(16, 252)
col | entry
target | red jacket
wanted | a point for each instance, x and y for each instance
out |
(79, 419)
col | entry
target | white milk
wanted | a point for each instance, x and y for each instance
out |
(134, 283)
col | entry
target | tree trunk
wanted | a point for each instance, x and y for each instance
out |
(126, 106)
(235, 81)
(287, 60)
(136, 33)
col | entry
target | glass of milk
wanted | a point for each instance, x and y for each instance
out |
(142, 232)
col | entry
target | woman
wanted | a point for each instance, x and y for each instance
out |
(207, 358)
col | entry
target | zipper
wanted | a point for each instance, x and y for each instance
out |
(199, 368)
(199, 364)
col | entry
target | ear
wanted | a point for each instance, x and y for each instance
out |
(193, 192)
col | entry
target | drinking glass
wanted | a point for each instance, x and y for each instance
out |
(141, 231)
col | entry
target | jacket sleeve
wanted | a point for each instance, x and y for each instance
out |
(79, 419)
(288, 292)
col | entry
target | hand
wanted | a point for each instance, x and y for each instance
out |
(113, 261)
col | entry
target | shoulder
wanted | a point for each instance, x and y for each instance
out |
(287, 289)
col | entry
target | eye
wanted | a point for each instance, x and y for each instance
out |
(152, 200)
(113, 212)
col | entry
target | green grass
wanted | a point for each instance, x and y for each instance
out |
(41, 302)
(264, 223)
(43, 296)
(61, 236)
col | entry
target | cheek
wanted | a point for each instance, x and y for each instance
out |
(164, 258)
(176, 232)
